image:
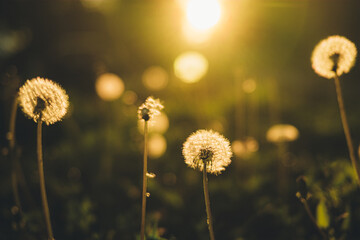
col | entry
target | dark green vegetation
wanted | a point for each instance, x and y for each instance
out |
(93, 158)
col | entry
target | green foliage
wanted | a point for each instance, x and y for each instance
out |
(322, 215)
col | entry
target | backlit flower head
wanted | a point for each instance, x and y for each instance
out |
(40, 97)
(334, 54)
(149, 109)
(209, 146)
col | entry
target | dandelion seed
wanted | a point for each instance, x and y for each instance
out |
(336, 54)
(151, 108)
(151, 175)
(43, 98)
(209, 146)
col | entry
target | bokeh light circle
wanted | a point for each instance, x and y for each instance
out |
(160, 124)
(190, 66)
(249, 85)
(155, 78)
(282, 133)
(109, 86)
(157, 145)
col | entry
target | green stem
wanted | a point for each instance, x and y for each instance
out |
(143, 207)
(207, 203)
(346, 128)
(312, 218)
(42, 182)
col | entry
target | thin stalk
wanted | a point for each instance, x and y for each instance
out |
(14, 172)
(42, 182)
(207, 203)
(144, 191)
(312, 218)
(346, 128)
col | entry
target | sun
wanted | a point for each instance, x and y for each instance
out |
(203, 14)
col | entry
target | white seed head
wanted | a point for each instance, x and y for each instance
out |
(209, 146)
(42, 97)
(151, 108)
(335, 53)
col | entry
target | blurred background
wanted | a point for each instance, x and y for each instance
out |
(239, 67)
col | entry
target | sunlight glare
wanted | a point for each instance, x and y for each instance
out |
(203, 14)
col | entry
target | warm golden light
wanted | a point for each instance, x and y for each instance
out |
(160, 124)
(334, 51)
(190, 67)
(129, 97)
(249, 85)
(157, 145)
(251, 144)
(43, 99)
(195, 36)
(282, 133)
(246, 147)
(203, 14)
(238, 148)
(155, 78)
(109, 86)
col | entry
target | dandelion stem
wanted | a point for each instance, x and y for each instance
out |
(143, 207)
(312, 218)
(207, 202)
(42, 181)
(346, 128)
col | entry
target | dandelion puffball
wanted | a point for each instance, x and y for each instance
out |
(151, 108)
(282, 133)
(42, 98)
(336, 53)
(209, 146)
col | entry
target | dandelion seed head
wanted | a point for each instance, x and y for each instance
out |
(335, 53)
(40, 97)
(210, 146)
(151, 108)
